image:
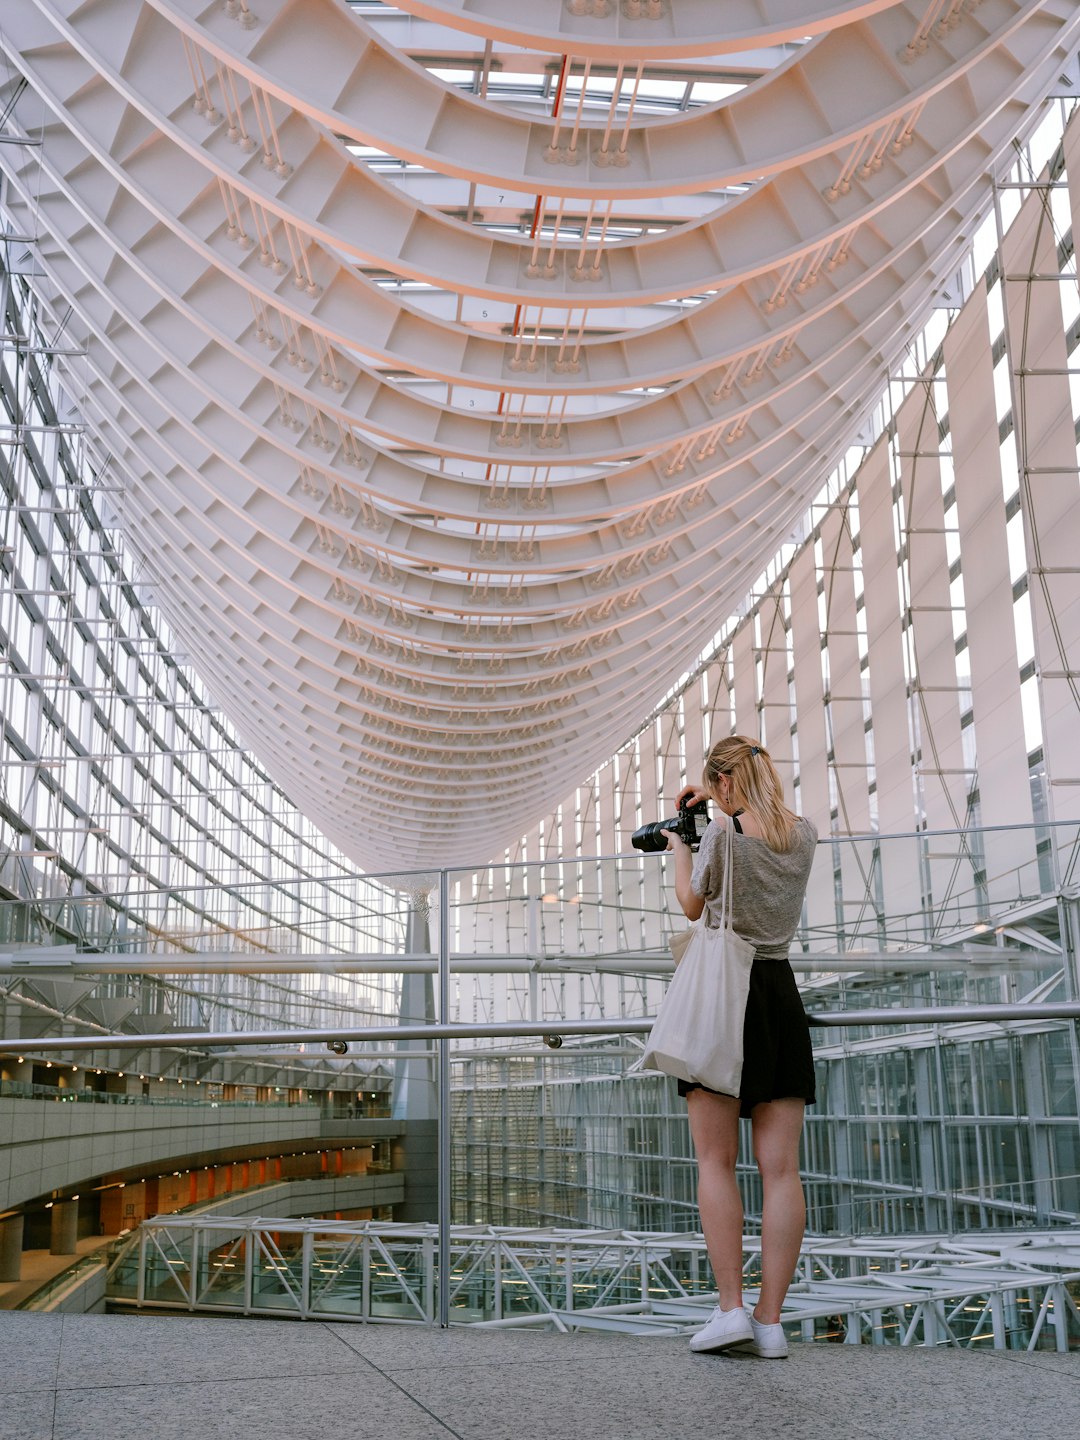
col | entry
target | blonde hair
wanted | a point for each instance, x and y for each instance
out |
(756, 784)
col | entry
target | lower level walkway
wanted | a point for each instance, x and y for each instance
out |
(88, 1377)
(39, 1267)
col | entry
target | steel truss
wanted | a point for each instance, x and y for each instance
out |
(1017, 1293)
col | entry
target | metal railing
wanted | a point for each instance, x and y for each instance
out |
(44, 1296)
(552, 1034)
(970, 1293)
(69, 1095)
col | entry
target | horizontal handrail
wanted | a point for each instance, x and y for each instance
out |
(72, 1095)
(908, 1015)
(67, 1277)
(432, 872)
(243, 962)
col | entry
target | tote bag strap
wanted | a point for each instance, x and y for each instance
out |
(726, 887)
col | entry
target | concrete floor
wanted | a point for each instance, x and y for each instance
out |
(105, 1377)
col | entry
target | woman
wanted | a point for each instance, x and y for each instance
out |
(772, 851)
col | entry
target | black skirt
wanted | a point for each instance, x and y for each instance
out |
(778, 1062)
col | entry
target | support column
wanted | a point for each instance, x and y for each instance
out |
(930, 1136)
(744, 677)
(836, 1111)
(65, 1228)
(415, 1095)
(1000, 745)
(1042, 1159)
(11, 1244)
(775, 696)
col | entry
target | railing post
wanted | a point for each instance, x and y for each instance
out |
(1069, 930)
(193, 1272)
(250, 1248)
(1060, 1315)
(307, 1245)
(444, 1151)
(432, 1295)
(140, 1284)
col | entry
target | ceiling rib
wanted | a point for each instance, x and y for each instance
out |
(441, 500)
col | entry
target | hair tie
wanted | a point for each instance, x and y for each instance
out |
(754, 750)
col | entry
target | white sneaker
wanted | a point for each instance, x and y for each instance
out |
(724, 1329)
(768, 1341)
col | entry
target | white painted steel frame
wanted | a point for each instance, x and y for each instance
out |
(1041, 391)
(884, 1291)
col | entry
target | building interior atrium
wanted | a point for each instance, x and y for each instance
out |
(424, 430)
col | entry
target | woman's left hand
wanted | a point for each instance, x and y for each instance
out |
(691, 903)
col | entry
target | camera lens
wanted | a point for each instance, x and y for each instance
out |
(649, 839)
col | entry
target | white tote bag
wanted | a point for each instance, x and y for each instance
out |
(698, 1034)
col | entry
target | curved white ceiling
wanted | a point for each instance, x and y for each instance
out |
(442, 493)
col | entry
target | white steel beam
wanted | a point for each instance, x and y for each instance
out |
(440, 503)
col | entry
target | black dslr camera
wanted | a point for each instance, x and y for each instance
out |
(689, 825)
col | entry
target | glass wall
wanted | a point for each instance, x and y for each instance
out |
(131, 816)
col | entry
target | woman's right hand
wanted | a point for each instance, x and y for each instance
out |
(691, 795)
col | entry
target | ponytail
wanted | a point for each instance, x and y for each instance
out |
(757, 786)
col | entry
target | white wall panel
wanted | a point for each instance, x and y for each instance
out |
(616, 840)
(744, 666)
(776, 700)
(898, 861)
(941, 766)
(606, 802)
(585, 819)
(648, 767)
(810, 730)
(631, 764)
(888, 684)
(942, 777)
(464, 916)
(626, 790)
(1050, 496)
(720, 704)
(845, 723)
(1004, 787)
(669, 759)
(809, 692)
(694, 702)
(846, 710)
(670, 781)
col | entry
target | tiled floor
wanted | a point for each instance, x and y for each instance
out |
(103, 1377)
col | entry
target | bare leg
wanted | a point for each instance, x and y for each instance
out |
(714, 1125)
(777, 1126)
